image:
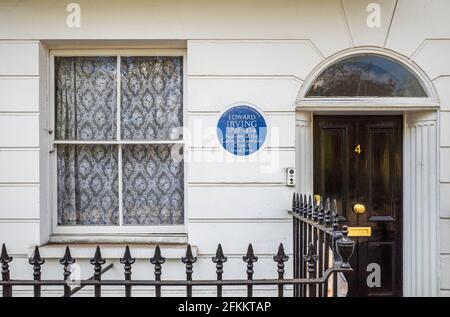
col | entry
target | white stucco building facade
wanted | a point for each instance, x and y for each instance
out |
(263, 53)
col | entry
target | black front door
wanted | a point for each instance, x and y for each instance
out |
(358, 160)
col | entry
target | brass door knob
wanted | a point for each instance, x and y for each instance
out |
(359, 209)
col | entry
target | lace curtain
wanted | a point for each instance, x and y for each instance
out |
(151, 108)
(152, 185)
(86, 91)
(151, 97)
(87, 185)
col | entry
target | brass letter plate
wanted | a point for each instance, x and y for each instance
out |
(359, 231)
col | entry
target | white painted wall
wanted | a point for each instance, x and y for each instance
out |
(19, 145)
(249, 51)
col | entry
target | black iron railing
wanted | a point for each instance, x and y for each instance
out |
(319, 245)
(316, 239)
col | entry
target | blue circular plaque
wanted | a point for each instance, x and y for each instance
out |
(242, 130)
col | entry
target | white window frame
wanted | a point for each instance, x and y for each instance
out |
(121, 229)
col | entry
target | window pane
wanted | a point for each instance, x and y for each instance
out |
(85, 97)
(152, 97)
(87, 185)
(366, 76)
(153, 185)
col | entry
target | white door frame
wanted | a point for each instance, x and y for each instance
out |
(420, 165)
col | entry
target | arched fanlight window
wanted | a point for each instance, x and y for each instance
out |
(366, 75)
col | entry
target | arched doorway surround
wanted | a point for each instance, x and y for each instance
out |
(420, 189)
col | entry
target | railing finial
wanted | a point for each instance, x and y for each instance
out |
(345, 248)
(334, 216)
(157, 260)
(294, 203)
(311, 258)
(300, 204)
(316, 207)
(67, 259)
(219, 259)
(310, 207)
(4, 257)
(250, 258)
(305, 206)
(189, 259)
(321, 212)
(281, 256)
(97, 259)
(127, 259)
(327, 213)
(36, 259)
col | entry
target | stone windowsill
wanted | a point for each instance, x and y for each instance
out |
(173, 247)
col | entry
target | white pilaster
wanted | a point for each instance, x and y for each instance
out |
(304, 152)
(420, 211)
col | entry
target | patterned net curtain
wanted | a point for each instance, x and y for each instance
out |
(86, 110)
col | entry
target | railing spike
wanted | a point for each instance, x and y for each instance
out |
(293, 202)
(189, 259)
(310, 207)
(36, 258)
(220, 258)
(36, 261)
(127, 259)
(321, 212)
(334, 216)
(281, 256)
(4, 257)
(250, 258)
(300, 204)
(66, 260)
(157, 260)
(305, 206)
(315, 214)
(327, 213)
(97, 261)
(311, 258)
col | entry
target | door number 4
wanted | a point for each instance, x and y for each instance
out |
(358, 149)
